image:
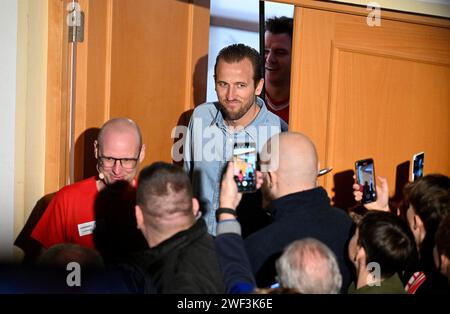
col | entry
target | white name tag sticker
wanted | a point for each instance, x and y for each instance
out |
(86, 228)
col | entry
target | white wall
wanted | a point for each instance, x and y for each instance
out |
(272, 9)
(220, 37)
(29, 163)
(8, 52)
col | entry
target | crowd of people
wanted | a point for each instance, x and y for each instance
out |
(167, 229)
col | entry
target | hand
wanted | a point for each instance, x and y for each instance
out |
(259, 179)
(229, 195)
(382, 202)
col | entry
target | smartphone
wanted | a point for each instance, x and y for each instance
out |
(244, 158)
(417, 166)
(365, 176)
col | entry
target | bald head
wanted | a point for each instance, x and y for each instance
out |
(293, 157)
(119, 125)
(118, 151)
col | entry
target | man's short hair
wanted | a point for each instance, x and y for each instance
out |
(430, 198)
(238, 52)
(387, 241)
(309, 266)
(443, 237)
(164, 189)
(280, 25)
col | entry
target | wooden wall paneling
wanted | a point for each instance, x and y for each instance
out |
(378, 92)
(154, 49)
(392, 95)
(360, 10)
(310, 95)
(197, 53)
(297, 56)
(146, 60)
(56, 110)
(92, 84)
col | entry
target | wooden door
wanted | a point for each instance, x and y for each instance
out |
(380, 92)
(138, 59)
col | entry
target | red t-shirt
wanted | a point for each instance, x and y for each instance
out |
(70, 216)
(280, 108)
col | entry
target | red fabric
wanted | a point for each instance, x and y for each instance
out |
(283, 113)
(416, 280)
(71, 206)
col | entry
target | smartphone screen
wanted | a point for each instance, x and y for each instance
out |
(365, 175)
(417, 166)
(244, 158)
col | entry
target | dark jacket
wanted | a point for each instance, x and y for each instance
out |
(236, 269)
(391, 285)
(297, 216)
(185, 263)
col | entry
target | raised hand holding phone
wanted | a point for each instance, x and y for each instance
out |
(229, 194)
(382, 202)
(365, 177)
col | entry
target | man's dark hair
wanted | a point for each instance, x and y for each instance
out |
(237, 53)
(387, 241)
(164, 189)
(443, 237)
(280, 25)
(430, 198)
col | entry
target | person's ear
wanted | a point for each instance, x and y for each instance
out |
(142, 153)
(445, 265)
(96, 149)
(418, 229)
(139, 217)
(259, 87)
(418, 224)
(361, 257)
(195, 207)
(272, 179)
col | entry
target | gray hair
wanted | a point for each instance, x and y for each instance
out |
(309, 266)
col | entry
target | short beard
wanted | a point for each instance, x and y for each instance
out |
(235, 116)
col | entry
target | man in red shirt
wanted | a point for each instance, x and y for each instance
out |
(70, 216)
(277, 52)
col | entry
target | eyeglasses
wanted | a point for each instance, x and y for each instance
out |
(109, 162)
(127, 163)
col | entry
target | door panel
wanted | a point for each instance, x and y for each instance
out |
(380, 92)
(138, 60)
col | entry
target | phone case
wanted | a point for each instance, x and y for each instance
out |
(365, 175)
(417, 166)
(244, 158)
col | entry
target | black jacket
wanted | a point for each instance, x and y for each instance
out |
(296, 216)
(185, 263)
(237, 272)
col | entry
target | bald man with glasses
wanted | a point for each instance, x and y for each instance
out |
(71, 215)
